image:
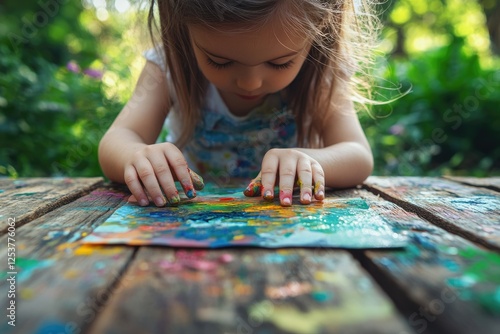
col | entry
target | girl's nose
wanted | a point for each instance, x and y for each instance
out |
(249, 82)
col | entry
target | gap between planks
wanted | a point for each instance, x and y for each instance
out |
(432, 218)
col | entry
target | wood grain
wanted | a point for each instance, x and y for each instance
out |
(470, 212)
(442, 279)
(247, 291)
(27, 199)
(62, 284)
(492, 183)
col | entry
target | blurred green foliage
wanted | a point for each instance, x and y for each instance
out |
(67, 70)
(449, 120)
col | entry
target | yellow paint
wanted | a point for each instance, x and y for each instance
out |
(299, 183)
(330, 277)
(239, 237)
(80, 249)
(26, 293)
(71, 273)
(352, 311)
(84, 250)
(317, 185)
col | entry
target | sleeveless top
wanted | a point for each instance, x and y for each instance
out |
(227, 146)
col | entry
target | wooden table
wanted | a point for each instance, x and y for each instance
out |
(447, 280)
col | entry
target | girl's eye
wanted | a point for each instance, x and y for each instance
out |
(218, 66)
(282, 66)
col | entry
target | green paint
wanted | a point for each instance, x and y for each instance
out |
(26, 266)
(480, 279)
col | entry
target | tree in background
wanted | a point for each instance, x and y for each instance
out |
(439, 51)
(60, 86)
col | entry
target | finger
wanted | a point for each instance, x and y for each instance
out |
(134, 185)
(254, 188)
(288, 169)
(319, 181)
(269, 170)
(197, 180)
(147, 175)
(180, 170)
(166, 181)
(304, 180)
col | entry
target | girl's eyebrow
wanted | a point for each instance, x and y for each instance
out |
(293, 53)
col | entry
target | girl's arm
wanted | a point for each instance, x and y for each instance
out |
(346, 158)
(127, 152)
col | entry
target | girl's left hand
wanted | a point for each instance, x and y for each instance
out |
(286, 166)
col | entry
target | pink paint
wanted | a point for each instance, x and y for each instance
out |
(226, 258)
(286, 197)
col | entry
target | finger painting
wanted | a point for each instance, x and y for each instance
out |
(229, 219)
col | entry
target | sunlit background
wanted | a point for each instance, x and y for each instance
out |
(67, 69)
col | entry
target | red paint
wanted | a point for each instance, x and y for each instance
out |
(226, 199)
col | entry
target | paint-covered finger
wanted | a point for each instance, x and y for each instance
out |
(304, 180)
(197, 180)
(254, 188)
(180, 170)
(319, 181)
(165, 179)
(288, 170)
(269, 171)
(147, 175)
(134, 185)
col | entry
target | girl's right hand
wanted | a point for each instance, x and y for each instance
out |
(154, 169)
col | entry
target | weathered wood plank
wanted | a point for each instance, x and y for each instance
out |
(247, 291)
(61, 284)
(467, 211)
(26, 199)
(443, 281)
(492, 183)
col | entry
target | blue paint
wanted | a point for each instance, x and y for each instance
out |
(322, 296)
(54, 327)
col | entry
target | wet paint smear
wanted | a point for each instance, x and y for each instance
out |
(209, 222)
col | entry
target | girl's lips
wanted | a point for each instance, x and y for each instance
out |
(249, 97)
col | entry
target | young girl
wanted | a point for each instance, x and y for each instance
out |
(251, 88)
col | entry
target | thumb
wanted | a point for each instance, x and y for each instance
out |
(197, 180)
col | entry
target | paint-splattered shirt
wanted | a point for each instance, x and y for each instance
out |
(224, 145)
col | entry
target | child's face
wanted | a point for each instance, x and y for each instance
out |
(246, 66)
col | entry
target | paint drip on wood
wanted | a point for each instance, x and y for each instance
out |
(231, 219)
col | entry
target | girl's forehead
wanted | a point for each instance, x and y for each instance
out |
(271, 39)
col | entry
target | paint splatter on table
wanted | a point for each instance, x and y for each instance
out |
(445, 278)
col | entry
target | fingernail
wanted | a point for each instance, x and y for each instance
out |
(143, 202)
(159, 201)
(191, 193)
(175, 200)
(286, 201)
(268, 195)
(306, 198)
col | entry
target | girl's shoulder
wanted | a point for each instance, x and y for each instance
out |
(157, 56)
